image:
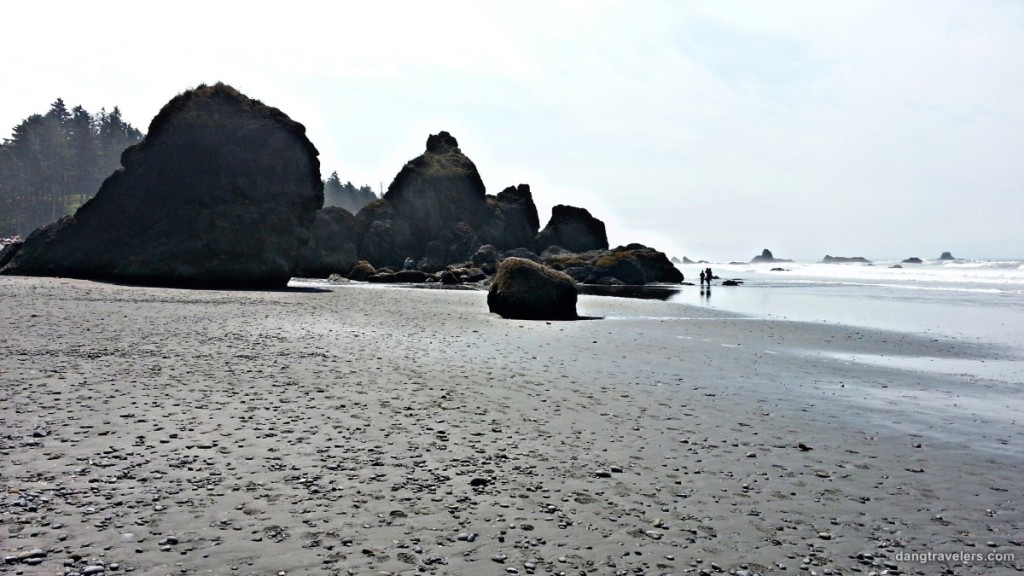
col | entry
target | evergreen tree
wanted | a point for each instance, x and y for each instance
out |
(55, 162)
(346, 195)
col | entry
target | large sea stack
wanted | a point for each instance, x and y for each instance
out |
(222, 192)
(437, 211)
(573, 229)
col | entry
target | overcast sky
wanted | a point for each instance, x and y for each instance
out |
(710, 129)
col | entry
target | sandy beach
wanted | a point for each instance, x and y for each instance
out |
(389, 430)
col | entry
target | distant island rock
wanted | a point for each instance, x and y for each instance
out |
(222, 192)
(913, 260)
(946, 256)
(844, 260)
(766, 256)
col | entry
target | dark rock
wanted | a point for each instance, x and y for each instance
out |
(766, 256)
(487, 254)
(523, 289)
(845, 260)
(913, 260)
(449, 278)
(333, 246)
(573, 229)
(513, 219)
(580, 273)
(896, 266)
(434, 256)
(472, 275)
(383, 278)
(731, 283)
(636, 264)
(521, 252)
(361, 271)
(411, 276)
(554, 252)
(946, 256)
(222, 192)
(609, 281)
(8, 252)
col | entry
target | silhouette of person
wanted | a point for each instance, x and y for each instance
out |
(701, 279)
(409, 263)
(709, 276)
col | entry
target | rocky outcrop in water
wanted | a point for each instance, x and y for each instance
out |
(766, 256)
(845, 260)
(222, 192)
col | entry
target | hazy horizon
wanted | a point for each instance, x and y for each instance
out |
(707, 130)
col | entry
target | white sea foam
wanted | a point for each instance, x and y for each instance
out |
(979, 301)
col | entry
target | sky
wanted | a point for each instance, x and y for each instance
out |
(706, 129)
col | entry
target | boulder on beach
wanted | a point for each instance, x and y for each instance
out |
(946, 256)
(332, 248)
(573, 229)
(361, 271)
(525, 290)
(222, 192)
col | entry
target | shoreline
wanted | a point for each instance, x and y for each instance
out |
(409, 431)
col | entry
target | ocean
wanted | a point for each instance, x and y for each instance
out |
(980, 301)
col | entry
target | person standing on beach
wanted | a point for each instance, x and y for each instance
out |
(702, 279)
(708, 276)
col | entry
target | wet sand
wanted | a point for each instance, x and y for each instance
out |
(386, 430)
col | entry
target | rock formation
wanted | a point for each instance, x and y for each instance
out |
(513, 220)
(222, 192)
(766, 256)
(913, 260)
(523, 289)
(633, 264)
(573, 229)
(844, 260)
(946, 256)
(361, 271)
(332, 249)
(8, 251)
(437, 212)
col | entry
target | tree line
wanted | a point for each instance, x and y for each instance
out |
(54, 162)
(346, 195)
